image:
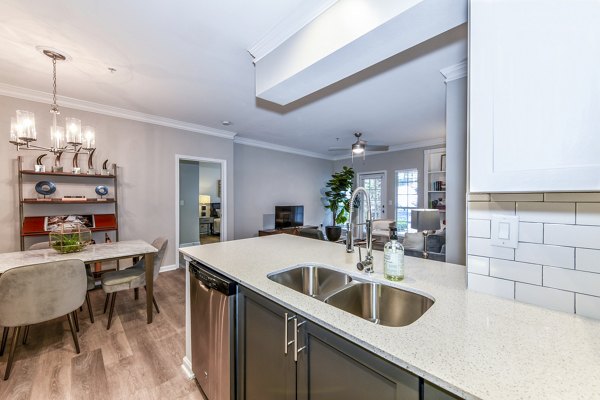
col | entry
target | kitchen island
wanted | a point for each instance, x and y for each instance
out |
(473, 345)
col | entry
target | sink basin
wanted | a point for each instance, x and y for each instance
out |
(312, 280)
(381, 304)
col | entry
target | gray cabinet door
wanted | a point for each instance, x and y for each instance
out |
(264, 370)
(330, 367)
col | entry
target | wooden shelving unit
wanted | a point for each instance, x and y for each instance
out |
(434, 171)
(34, 225)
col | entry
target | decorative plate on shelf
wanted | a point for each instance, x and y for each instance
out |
(45, 188)
(101, 190)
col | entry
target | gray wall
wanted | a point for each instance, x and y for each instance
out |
(265, 178)
(456, 170)
(189, 176)
(390, 162)
(145, 154)
(210, 173)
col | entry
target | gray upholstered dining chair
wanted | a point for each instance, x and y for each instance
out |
(131, 278)
(91, 285)
(37, 293)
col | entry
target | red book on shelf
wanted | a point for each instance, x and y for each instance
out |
(34, 226)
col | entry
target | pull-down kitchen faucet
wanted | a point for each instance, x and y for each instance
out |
(367, 263)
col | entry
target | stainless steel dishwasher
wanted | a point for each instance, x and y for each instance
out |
(212, 299)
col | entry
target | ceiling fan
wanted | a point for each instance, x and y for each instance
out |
(360, 146)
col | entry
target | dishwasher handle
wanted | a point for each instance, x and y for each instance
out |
(211, 279)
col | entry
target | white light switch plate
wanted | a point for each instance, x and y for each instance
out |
(505, 231)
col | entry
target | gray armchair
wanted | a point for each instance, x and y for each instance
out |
(38, 293)
(131, 278)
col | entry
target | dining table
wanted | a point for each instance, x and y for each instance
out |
(92, 253)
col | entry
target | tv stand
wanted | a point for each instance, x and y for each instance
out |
(290, 231)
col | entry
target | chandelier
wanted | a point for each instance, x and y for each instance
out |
(68, 139)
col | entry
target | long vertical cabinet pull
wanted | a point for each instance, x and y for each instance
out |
(286, 320)
(296, 328)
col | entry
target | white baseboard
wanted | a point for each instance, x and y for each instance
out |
(166, 268)
(186, 366)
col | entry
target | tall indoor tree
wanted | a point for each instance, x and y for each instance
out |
(338, 196)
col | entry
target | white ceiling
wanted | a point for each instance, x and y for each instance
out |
(188, 61)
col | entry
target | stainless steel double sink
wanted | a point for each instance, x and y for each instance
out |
(376, 302)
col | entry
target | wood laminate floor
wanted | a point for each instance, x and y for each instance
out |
(133, 360)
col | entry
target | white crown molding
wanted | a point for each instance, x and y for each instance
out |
(276, 147)
(83, 105)
(456, 71)
(286, 28)
(400, 147)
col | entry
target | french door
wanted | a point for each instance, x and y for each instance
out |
(375, 184)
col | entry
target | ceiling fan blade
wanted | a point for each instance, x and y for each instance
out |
(371, 147)
(339, 148)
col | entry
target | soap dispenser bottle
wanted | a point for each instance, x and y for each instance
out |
(393, 258)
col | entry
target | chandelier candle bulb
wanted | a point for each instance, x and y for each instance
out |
(89, 138)
(73, 129)
(26, 126)
(14, 131)
(57, 136)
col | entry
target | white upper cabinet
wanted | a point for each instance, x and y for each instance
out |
(534, 89)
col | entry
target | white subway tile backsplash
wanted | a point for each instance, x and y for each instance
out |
(493, 286)
(516, 271)
(587, 260)
(553, 299)
(572, 197)
(485, 210)
(483, 247)
(531, 232)
(557, 261)
(478, 197)
(557, 213)
(478, 265)
(587, 306)
(479, 228)
(572, 235)
(556, 256)
(517, 197)
(572, 280)
(588, 214)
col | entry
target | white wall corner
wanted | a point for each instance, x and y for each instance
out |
(305, 13)
(186, 366)
(456, 71)
(83, 105)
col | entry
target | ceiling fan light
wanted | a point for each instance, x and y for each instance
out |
(357, 148)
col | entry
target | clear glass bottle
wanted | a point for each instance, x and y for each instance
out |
(393, 258)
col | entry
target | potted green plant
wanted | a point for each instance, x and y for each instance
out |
(338, 196)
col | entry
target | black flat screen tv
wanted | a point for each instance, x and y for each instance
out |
(289, 216)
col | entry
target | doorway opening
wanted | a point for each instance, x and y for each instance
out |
(200, 208)
(375, 183)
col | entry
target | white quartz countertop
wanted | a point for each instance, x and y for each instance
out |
(474, 345)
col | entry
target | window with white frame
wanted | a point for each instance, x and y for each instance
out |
(407, 197)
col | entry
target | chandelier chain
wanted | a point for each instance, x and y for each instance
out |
(54, 107)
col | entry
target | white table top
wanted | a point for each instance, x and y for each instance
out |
(92, 253)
